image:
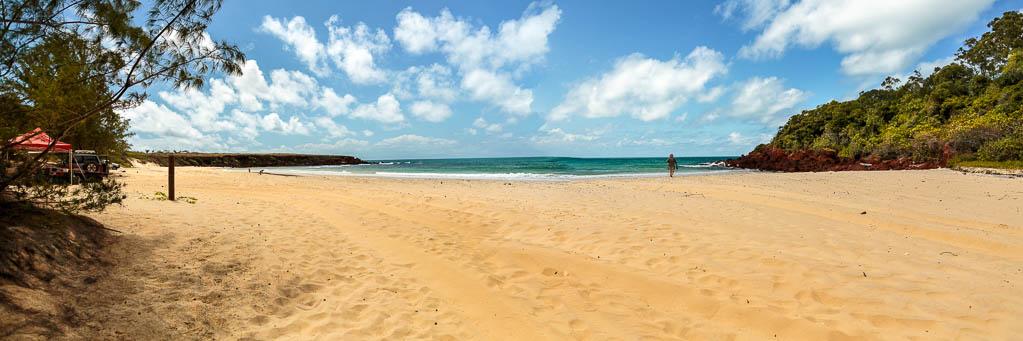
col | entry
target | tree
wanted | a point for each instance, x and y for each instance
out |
(103, 57)
(991, 50)
(54, 78)
(972, 107)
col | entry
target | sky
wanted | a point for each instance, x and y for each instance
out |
(418, 79)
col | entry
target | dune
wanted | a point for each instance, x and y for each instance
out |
(930, 254)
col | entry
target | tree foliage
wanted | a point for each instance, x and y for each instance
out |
(972, 108)
(67, 66)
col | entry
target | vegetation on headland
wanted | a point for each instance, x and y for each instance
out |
(970, 110)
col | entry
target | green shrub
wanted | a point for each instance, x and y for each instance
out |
(1005, 149)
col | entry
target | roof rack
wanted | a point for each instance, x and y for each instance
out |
(85, 151)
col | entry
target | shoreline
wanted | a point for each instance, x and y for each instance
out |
(485, 176)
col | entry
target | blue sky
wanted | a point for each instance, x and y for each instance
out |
(390, 79)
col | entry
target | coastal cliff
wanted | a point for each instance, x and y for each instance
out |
(247, 160)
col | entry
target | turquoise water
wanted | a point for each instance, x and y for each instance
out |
(518, 167)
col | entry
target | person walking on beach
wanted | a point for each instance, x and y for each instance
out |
(672, 165)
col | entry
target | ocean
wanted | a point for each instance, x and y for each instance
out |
(538, 168)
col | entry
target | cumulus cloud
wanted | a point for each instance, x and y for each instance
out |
(153, 118)
(414, 140)
(430, 111)
(158, 127)
(486, 60)
(430, 82)
(386, 109)
(285, 87)
(522, 41)
(332, 128)
(203, 109)
(739, 139)
(753, 13)
(656, 142)
(644, 88)
(271, 122)
(342, 146)
(764, 98)
(498, 89)
(490, 128)
(548, 135)
(333, 104)
(300, 38)
(876, 36)
(352, 50)
(228, 110)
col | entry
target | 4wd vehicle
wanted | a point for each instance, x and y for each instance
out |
(86, 166)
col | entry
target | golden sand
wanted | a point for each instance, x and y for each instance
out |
(856, 255)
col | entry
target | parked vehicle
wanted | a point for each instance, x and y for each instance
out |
(86, 166)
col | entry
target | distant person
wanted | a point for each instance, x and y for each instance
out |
(672, 165)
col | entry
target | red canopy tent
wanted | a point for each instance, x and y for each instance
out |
(39, 142)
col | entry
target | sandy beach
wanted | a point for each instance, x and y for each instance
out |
(924, 255)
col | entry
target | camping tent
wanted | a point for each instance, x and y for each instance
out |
(38, 142)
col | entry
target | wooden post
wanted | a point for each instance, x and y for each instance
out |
(170, 177)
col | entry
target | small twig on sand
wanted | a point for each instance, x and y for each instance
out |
(110, 229)
(948, 252)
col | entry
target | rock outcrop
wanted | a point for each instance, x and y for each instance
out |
(776, 159)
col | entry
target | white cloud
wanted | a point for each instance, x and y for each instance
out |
(352, 50)
(348, 146)
(286, 87)
(557, 135)
(412, 140)
(385, 110)
(657, 142)
(273, 122)
(486, 60)
(490, 128)
(291, 88)
(431, 111)
(301, 38)
(203, 110)
(522, 41)
(756, 12)
(251, 124)
(876, 36)
(367, 133)
(646, 89)
(711, 95)
(333, 129)
(498, 89)
(682, 118)
(333, 104)
(927, 68)
(429, 82)
(739, 139)
(153, 118)
(764, 98)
